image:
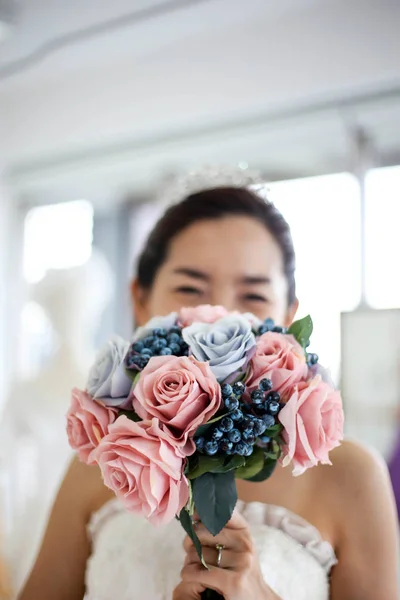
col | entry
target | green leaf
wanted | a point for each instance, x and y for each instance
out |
(204, 464)
(253, 465)
(191, 463)
(275, 451)
(266, 472)
(215, 498)
(187, 524)
(201, 463)
(274, 431)
(190, 503)
(132, 416)
(270, 456)
(276, 448)
(302, 330)
(235, 462)
(132, 374)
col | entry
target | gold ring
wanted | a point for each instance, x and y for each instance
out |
(219, 548)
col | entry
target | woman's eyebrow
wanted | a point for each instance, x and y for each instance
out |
(255, 280)
(193, 273)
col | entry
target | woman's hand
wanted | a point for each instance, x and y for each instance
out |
(236, 577)
(188, 591)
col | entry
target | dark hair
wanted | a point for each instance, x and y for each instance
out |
(215, 204)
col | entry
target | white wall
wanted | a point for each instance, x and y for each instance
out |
(370, 376)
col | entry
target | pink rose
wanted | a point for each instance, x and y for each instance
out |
(204, 313)
(142, 468)
(87, 423)
(280, 358)
(313, 424)
(179, 391)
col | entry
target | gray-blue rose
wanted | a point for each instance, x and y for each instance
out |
(155, 323)
(108, 381)
(227, 345)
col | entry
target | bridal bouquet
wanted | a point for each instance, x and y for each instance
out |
(198, 399)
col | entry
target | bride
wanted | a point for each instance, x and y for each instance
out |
(329, 534)
(5, 589)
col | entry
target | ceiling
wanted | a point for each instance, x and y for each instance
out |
(100, 97)
(114, 29)
(6, 17)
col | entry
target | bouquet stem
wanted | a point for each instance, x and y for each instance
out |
(211, 595)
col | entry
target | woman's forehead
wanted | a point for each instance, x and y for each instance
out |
(238, 245)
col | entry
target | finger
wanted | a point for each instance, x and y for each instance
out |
(187, 544)
(188, 591)
(237, 521)
(225, 538)
(238, 540)
(220, 580)
(195, 520)
(229, 559)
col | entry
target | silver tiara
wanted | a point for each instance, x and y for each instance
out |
(175, 189)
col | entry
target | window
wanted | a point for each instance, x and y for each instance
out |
(57, 237)
(324, 215)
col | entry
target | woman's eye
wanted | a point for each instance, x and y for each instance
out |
(255, 298)
(188, 290)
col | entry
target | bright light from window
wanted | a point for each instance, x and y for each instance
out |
(324, 216)
(38, 339)
(57, 236)
(383, 237)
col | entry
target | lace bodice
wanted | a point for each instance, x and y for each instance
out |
(132, 559)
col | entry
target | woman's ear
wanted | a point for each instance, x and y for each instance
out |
(291, 313)
(139, 298)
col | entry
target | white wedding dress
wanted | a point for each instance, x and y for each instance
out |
(133, 560)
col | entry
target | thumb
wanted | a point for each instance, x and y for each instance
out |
(188, 591)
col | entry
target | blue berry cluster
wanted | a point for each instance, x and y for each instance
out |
(312, 359)
(245, 424)
(160, 343)
(269, 325)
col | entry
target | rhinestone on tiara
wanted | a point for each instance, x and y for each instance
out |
(210, 177)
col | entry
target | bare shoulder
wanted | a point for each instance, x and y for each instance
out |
(357, 490)
(355, 468)
(360, 502)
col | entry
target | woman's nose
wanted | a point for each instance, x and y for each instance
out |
(224, 297)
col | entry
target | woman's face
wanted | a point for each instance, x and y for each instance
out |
(233, 261)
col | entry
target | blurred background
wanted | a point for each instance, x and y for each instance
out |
(102, 103)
